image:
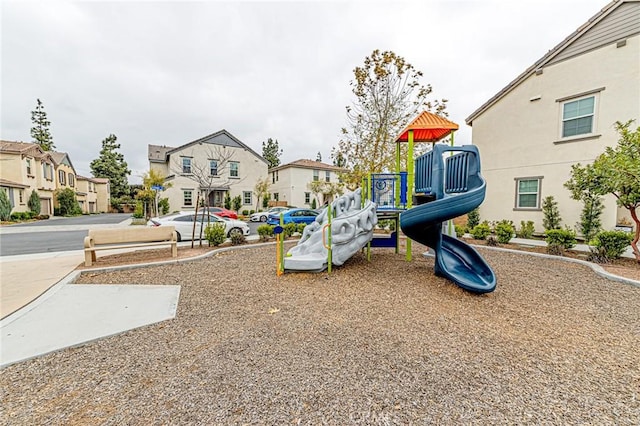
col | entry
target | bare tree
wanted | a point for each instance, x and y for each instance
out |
(261, 189)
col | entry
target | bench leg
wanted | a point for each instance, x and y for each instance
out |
(88, 257)
(174, 249)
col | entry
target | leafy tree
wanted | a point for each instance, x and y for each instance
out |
(271, 152)
(34, 202)
(581, 185)
(5, 206)
(388, 94)
(110, 164)
(261, 190)
(236, 202)
(473, 218)
(227, 201)
(616, 172)
(40, 130)
(68, 204)
(327, 189)
(551, 215)
(147, 195)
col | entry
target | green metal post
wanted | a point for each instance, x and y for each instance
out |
(410, 179)
(397, 185)
(329, 253)
(281, 244)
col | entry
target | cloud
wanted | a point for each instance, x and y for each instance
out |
(171, 72)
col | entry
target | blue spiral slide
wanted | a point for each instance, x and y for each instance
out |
(456, 187)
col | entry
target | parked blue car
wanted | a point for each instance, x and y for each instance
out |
(293, 216)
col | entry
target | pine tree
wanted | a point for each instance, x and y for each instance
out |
(271, 152)
(40, 130)
(110, 164)
(551, 219)
(319, 157)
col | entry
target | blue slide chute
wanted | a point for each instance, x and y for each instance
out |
(453, 186)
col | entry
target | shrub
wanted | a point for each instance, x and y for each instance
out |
(68, 203)
(227, 201)
(265, 202)
(237, 202)
(481, 231)
(504, 231)
(252, 211)
(611, 245)
(289, 229)
(559, 240)
(215, 234)
(473, 218)
(238, 239)
(245, 212)
(526, 229)
(163, 205)
(265, 232)
(138, 212)
(300, 227)
(460, 230)
(34, 202)
(5, 206)
(590, 222)
(551, 219)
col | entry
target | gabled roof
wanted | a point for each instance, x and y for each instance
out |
(556, 53)
(307, 164)
(428, 127)
(60, 157)
(159, 153)
(24, 148)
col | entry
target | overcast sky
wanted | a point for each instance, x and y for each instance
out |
(171, 72)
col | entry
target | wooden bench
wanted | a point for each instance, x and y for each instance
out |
(110, 239)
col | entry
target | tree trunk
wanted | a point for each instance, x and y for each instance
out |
(634, 243)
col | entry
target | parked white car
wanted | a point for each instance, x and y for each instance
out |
(263, 216)
(183, 222)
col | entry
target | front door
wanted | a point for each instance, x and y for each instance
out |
(216, 198)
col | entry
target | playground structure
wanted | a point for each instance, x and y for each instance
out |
(445, 187)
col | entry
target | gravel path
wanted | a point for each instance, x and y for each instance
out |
(384, 342)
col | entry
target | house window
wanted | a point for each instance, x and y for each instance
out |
(62, 177)
(528, 193)
(246, 198)
(186, 165)
(276, 196)
(577, 116)
(274, 177)
(327, 176)
(187, 197)
(213, 167)
(307, 197)
(29, 167)
(316, 175)
(21, 196)
(233, 168)
(72, 181)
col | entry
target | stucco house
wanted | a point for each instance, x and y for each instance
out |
(93, 194)
(559, 112)
(65, 174)
(290, 183)
(213, 166)
(25, 167)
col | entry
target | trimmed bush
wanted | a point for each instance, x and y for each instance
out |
(492, 241)
(504, 231)
(460, 230)
(245, 212)
(481, 231)
(265, 232)
(289, 229)
(559, 240)
(551, 219)
(526, 229)
(473, 218)
(68, 203)
(610, 245)
(238, 239)
(34, 203)
(5, 206)
(138, 212)
(215, 234)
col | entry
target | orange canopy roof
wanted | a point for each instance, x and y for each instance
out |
(428, 127)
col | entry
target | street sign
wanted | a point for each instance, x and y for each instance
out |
(157, 187)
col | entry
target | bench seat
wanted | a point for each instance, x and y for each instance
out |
(130, 237)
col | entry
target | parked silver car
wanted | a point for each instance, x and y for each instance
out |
(183, 222)
(263, 216)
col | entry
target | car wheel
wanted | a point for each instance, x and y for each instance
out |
(178, 236)
(263, 218)
(235, 231)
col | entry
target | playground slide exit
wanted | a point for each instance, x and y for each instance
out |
(454, 259)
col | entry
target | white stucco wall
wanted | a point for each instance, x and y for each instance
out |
(520, 137)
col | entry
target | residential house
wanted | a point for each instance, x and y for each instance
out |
(290, 183)
(65, 176)
(25, 167)
(103, 194)
(559, 112)
(213, 167)
(93, 194)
